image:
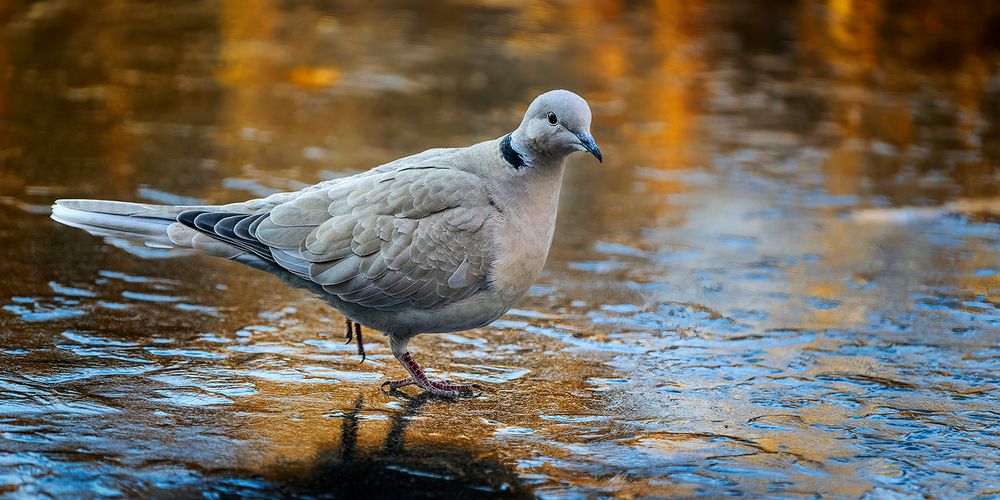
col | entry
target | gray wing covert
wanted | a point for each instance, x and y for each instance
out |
(410, 237)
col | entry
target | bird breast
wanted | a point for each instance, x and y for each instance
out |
(524, 233)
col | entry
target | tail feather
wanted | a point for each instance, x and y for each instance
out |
(122, 219)
(225, 231)
(131, 209)
(165, 226)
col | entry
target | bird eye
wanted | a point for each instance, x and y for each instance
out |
(552, 119)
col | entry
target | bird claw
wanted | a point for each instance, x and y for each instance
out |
(454, 390)
(464, 389)
(443, 388)
(396, 384)
(450, 394)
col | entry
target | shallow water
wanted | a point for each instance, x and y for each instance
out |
(782, 281)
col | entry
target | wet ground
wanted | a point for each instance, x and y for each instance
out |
(784, 280)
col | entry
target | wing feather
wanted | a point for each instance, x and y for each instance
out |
(413, 236)
(389, 238)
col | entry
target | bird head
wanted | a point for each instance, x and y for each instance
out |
(556, 124)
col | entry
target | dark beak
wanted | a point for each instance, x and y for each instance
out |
(588, 143)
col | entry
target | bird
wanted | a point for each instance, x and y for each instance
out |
(441, 241)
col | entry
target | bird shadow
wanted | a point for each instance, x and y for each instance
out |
(398, 469)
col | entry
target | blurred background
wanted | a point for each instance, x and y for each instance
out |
(782, 281)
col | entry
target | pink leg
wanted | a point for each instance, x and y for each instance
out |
(417, 377)
(361, 342)
(356, 332)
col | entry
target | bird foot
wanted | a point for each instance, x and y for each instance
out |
(417, 377)
(444, 388)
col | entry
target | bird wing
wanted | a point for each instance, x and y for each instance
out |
(409, 237)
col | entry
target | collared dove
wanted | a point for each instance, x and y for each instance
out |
(441, 241)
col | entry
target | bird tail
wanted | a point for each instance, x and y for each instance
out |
(154, 225)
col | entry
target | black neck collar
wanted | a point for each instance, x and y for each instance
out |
(513, 157)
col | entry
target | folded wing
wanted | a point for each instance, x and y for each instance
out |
(409, 237)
